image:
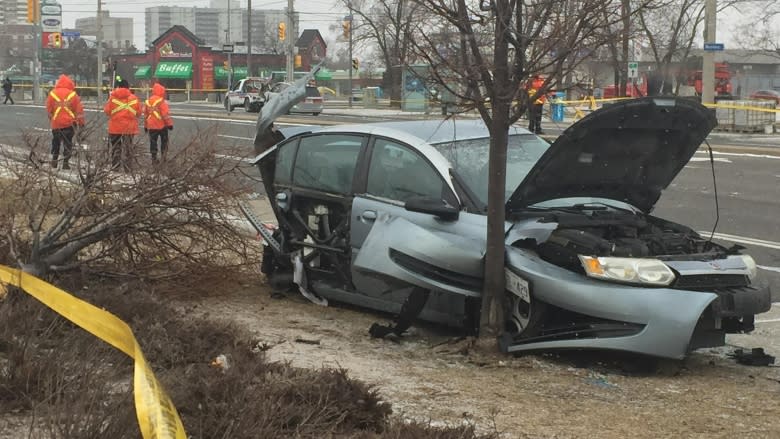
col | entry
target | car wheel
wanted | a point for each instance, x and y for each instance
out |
(525, 318)
(247, 105)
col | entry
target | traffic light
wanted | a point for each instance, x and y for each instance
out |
(56, 40)
(355, 64)
(282, 31)
(32, 11)
(298, 61)
(346, 25)
(225, 65)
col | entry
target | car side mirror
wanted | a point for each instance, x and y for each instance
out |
(432, 206)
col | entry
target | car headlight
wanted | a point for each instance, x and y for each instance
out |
(752, 268)
(629, 270)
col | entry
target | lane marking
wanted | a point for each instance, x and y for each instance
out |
(738, 154)
(743, 240)
(764, 267)
(768, 321)
(235, 137)
(706, 159)
(232, 157)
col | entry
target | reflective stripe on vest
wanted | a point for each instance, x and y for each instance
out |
(63, 105)
(154, 107)
(124, 106)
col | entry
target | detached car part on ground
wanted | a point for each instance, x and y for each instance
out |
(391, 216)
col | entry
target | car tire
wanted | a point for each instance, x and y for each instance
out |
(247, 105)
(524, 319)
(315, 114)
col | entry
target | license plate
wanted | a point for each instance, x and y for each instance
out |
(517, 285)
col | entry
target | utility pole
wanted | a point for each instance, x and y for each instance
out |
(227, 41)
(293, 34)
(349, 86)
(249, 38)
(99, 38)
(708, 59)
(38, 49)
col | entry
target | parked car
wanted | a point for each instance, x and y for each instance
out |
(392, 216)
(771, 95)
(249, 93)
(312, 103)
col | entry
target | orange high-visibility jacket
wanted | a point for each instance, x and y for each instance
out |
(537, 83)
(123, 109)
(157, 115)
(64, 105)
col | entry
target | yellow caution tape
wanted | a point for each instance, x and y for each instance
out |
(157, 416)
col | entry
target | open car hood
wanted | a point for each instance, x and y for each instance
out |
(628, 151)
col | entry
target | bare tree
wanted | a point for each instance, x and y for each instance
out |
(151, 222)
(671, 28)
(499, 44)
(757, 28)
(387, 25)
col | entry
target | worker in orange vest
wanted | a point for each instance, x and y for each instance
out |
(123, 109)
(157, 121)
(535, 109)
(66, 114)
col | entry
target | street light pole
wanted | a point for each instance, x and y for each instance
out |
(349, 86)
(291, 41)
(227, 41)
(249, 38)
(99, 38)
(708, 58)
(38, 49)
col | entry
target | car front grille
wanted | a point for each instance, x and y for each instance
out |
(710, 281)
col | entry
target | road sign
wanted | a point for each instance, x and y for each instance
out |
(71, 33)
(633, 69)
(713, 46)
(227, 48)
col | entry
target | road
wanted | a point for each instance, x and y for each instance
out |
(747, 170)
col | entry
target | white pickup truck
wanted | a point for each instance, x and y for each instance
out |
(249, 93)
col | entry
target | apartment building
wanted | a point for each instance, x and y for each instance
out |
(13, 11)
(117, 31)
(218, 24)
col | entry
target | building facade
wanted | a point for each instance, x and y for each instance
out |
(13, 11)
(216, 26)
(17, 48)
(117, 31)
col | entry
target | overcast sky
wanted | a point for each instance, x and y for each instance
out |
(315, 14)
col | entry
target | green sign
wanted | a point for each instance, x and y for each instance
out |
(174, 70)
(239, 72)
(143, 72)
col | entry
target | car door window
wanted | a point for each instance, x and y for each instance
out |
(397, 172)
(327, 162)
(284, 163)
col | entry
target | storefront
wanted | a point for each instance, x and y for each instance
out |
(184, 63)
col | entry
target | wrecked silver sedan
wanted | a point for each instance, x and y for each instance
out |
(391, 216)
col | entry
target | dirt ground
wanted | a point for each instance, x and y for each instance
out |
(427, 376)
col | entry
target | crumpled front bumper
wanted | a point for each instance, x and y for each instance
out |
(660, 322)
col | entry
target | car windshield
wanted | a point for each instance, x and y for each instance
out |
(469, 158)
(312, 92)
(254, 85)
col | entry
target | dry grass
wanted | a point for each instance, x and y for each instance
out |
(70, 385)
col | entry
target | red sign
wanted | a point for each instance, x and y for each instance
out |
(207, 72)
(51, 40)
